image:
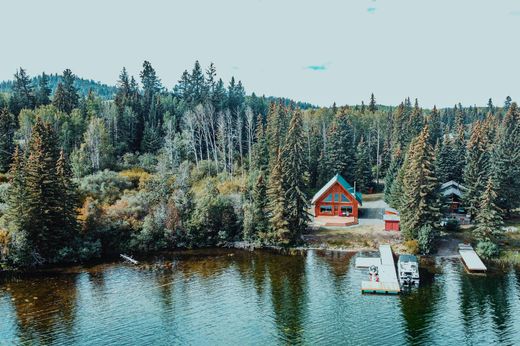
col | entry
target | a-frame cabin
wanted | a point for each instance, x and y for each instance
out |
(337, 199)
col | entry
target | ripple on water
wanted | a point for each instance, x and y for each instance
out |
(230, 297)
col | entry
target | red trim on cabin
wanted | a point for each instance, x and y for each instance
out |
(336, 206)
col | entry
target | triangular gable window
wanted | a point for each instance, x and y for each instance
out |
(328, 198)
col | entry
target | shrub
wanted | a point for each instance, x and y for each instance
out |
(204, 170)
(137, 176)
(4, 192)
(426, 239)
(412, 246)
(487, 249)
(105, 186)
(148, 162)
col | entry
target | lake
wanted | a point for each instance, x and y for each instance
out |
(226, 297)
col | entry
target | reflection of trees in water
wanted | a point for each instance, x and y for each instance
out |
(484, 295)
(418, 306)
(337, 263)
(288, 294)
(48, 316)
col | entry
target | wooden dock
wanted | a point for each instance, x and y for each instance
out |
(471, 261)
(388, 282)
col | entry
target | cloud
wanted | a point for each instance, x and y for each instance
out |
(371, 10)
(321, 67)
(514, 13)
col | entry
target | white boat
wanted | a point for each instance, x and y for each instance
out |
(408, 270)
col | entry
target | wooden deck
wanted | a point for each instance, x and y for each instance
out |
(338, 221)
(471, 261)
(388, 282)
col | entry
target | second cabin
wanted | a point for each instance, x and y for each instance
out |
(337, 200)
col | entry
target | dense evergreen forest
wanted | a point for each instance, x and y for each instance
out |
(142, 167)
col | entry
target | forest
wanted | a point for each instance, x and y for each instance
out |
(143, 167)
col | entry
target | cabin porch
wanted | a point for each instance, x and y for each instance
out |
(338, 221)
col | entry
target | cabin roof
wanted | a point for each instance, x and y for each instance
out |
(452, 188)
(340, 180)
(407, 258)
(391, 217)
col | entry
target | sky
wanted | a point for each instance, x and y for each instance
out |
(439, 51)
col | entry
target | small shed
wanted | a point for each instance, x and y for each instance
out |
(391, 222)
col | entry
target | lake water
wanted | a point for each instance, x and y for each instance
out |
(231, 297)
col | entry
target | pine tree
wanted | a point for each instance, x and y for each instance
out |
(506, 161)
(364, 179)
(295, 179)
(341, 152)
(489, 215)
(476, 171)
(7, 128)
(420, 204)
(444, 161)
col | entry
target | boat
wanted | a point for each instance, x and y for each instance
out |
(408, 270)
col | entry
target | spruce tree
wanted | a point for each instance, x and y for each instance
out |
(22, 93)
(364, 179)
(7, 128)
(17, 218)
(295, 178)
(260, 207)
(458, 150)
(260, 149)
(476, 171)
(420, 204)
(341, 152)
(506, 161)
(489, 216)
(444, 161)
(60, 98)
(44, 91)
(279, 226)
(70, 91)
(47, 189)
(372, 107)
(391, 175)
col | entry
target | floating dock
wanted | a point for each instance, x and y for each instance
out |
(471, 261)
(388, 282)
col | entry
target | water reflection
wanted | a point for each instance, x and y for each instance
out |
(287, 279)
(229, 297)
(44, 306)
(418, 307)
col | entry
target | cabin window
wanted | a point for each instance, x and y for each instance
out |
(336, 197)
(326, 209)
(344, 198)
(346, 210)
(328, 198)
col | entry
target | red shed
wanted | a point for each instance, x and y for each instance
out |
(391, 222)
